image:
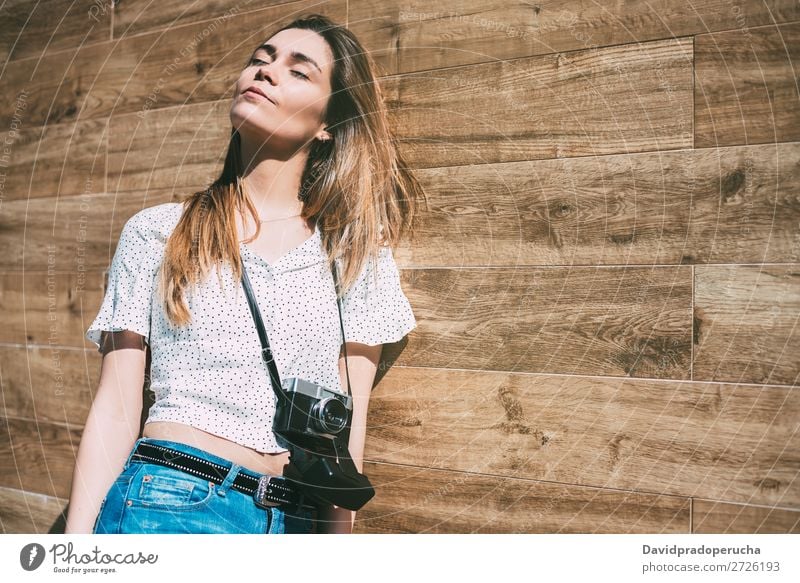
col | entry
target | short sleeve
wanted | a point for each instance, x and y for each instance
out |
(131, 277)
(375, 310)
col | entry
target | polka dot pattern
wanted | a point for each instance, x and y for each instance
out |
(209, 374)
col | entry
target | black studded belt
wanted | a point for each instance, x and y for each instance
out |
(266, 490)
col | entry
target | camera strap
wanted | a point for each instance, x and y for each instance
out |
(266, 351)
(325, 478)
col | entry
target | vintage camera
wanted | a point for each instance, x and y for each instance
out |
(311, 415)
(315, 421)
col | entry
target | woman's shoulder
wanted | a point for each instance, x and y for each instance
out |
(155, 223)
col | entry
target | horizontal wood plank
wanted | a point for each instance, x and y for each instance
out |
(550, 106)
(49, 310)
(725, 205)
(32, 28)
(423, 500)
(711, 517)
(31, 513)
(746, 323)
(42, 99)
(134, 18)
(181, 149)
(72, 234)
(746, 86)
(414, 35)
(49, 385)
(730, 442)
(38, 457)
(613, 321)
(61, 159)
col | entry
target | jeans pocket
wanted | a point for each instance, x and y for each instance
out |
(158, 487)
(111, 508)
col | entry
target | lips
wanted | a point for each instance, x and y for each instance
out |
(258, 91)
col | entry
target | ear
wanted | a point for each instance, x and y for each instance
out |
(324, 136)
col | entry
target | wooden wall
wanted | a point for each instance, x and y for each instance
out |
(605, 277)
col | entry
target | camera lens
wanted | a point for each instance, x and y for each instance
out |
(330, 415)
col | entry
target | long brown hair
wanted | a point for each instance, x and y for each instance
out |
(356, 186)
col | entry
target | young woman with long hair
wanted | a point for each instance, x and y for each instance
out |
(312, 181)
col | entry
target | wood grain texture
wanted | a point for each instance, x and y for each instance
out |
(50, 385)
(42, 99)
(616, 321)
(176, 148)
(721, 205)
(423, 500)
(133, 18)
(71, 235)
(731, 442)
(32, 28)
(746, 86)
(42, 309)
(746, 323)
(31, 513)
(413, 35)
(583, 103)
(38, 457)
(62, 159)
(710, 517)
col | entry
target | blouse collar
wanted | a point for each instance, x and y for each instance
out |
(309, 252)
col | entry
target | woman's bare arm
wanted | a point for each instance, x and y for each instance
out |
(111, 428)
(362, 361)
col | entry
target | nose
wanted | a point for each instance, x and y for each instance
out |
(263, 72)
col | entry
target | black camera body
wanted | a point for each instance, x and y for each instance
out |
(311, 415)
(315, 421)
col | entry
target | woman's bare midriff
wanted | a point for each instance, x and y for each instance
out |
(262, 463)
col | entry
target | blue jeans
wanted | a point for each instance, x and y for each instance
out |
(157, 499)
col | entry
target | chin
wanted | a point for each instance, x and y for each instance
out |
(246, 120)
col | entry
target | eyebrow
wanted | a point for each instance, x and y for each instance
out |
(295, 55)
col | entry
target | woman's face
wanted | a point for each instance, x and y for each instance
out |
(293, 70)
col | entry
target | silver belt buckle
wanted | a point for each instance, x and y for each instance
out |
(262, 491)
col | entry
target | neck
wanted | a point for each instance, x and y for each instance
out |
(272, 182)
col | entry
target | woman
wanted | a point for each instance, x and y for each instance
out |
(310, 157)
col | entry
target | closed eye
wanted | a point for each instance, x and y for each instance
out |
(298, 73)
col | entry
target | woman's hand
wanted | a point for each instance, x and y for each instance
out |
(362, 361)
(335, 520)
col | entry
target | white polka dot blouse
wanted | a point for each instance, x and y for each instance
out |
(209, 374)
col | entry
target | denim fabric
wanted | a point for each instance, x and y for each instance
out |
(148, 498)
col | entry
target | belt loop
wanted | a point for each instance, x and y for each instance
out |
(228, 481)
(133, 451)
